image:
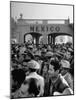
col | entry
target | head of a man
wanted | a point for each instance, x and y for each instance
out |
(54, 69)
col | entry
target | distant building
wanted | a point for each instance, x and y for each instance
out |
(49, 29)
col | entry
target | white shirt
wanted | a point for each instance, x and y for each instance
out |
(40, 81)
(66, 91)
(69, 80)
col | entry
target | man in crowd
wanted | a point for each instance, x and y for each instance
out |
(65, 71)
(33, 67)
(32, 58)
(58, 85)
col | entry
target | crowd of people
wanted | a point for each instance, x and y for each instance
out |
(42, 70)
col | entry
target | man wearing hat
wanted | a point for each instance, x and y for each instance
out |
(65, 72)
(33, 67)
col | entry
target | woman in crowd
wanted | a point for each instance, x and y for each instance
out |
(44, 73)
(17, 78)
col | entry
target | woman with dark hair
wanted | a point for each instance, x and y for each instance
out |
(44, 68)
(17, 78)
(44, 73)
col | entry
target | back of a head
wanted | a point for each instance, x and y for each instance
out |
(18, 75)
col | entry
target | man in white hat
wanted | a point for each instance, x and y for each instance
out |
(65, 72)
(33, 67)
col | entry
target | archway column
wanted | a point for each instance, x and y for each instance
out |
(48, 39)
(34, 39)
(53, 39)
(37, 40)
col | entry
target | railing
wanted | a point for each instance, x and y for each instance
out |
(47, 21)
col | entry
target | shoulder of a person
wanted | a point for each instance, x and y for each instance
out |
(68, 91)
(63, 79)
(33, 75)
(28, 77)
(40, 77)
(68, 76)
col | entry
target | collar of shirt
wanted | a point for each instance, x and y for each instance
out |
(32, 75)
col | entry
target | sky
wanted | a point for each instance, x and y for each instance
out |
(41, 11)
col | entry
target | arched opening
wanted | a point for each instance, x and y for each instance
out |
(63, 39)
(32, 37)
(54, 38)
(28, 38)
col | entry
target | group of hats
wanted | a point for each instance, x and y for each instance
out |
(28, 56)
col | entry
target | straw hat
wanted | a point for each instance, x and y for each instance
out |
(49, 54)
(33, 64)
(30, 46)
(65, 64)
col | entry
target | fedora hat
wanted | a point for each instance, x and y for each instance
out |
(33, 64)
(65, 64)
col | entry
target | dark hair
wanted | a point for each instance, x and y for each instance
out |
(43, 63)
(32, 70)
(33, 89)
(72, 69)
(18, 75)
(56, 64)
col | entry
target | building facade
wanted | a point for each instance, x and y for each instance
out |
(38, 28)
